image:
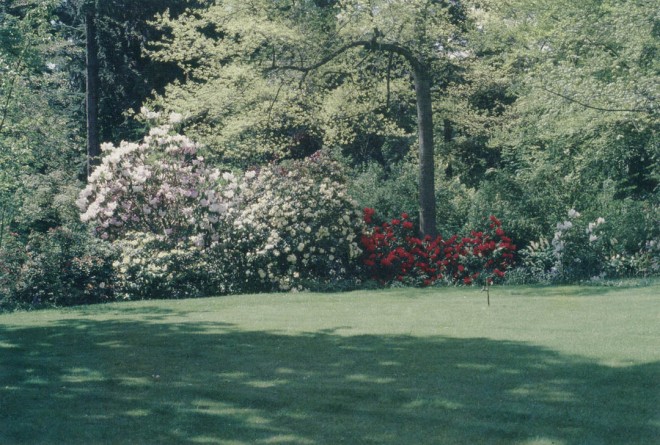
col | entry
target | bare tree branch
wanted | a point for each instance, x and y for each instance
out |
(367, 44)
(593, 107)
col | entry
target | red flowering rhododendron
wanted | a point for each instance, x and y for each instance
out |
(368, 214)
(393, 251)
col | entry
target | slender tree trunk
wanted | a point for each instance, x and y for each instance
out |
(92, 93)
(422, 77)
(427, 222)
(447, 137)
(448, 131)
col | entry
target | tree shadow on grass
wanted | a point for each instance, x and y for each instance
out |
(91, 382)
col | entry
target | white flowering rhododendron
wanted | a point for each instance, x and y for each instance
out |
(298, 224)
(579, 248)
(160, 186)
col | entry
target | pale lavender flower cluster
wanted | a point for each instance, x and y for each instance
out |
(558, 242)
(159, 186)
(591, 228)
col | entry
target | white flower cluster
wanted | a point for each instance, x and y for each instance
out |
(558, 242)
(148, 114)
(296, 225)
(150, 266)
(591, 228)
(579, 248)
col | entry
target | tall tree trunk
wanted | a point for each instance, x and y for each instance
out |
(422, 77)
(92, 90)
(427, 222)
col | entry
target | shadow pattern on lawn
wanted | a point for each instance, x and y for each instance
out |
(91, 382)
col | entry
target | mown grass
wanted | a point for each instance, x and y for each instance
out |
(562, 365)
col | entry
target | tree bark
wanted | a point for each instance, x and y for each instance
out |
(427, 222)
(448, 131)
(92, 91)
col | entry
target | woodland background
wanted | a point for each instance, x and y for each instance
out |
(543, 113)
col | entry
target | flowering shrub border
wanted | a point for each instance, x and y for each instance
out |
(167, 214)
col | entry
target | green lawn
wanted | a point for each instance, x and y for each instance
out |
(562, 365)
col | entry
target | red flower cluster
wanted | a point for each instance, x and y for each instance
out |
(368, 215)
(392, 251)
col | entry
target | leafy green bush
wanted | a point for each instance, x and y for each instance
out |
(47, 257)
(390, 192)
(529, 208)
(537, 262)
(63, 266)
(396, 191)
(631, 223)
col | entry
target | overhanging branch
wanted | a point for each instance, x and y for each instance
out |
(371, 45)
(593, 107)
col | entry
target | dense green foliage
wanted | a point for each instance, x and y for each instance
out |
(532, 110)
(583, 126)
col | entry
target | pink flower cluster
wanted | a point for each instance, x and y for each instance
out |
(160, 186)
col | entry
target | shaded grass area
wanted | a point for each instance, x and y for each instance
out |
(397, 367)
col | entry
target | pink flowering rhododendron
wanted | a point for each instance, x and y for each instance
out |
(168, 215)
(160, 186)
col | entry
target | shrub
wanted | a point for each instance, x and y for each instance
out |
(393, 252)
(151, 266)
(158, 186)
(63, 266)
(644, 263)
(579, 247)
(47, 257)
(633, 234)
(631, 223)
(536, 263)
(183, 229)
(167, 214)
(589, 249)
(297, 226)
(391, 191)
